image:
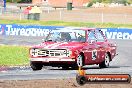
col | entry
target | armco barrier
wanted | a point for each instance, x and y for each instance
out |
(26, 30)
(36, 30)
(117, 33)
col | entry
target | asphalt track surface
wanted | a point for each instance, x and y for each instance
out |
(121, 64)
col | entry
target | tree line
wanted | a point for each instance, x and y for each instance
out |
(125, 2)
(19, 1)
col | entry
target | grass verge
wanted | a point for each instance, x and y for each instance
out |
(62, 23)
(13, 55)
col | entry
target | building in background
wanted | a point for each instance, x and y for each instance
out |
(76, 3)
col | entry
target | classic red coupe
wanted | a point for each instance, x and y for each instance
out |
(72, 47)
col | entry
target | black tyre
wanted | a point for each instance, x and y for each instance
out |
(75, 67)
(80, 61)
(65, 67)
(36, 66)
(81, 80)
(105, 63)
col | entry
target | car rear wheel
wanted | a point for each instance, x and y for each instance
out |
(36, 66)
(105, 63)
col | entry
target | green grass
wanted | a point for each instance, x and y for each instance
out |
(62, 23)
(13, 55)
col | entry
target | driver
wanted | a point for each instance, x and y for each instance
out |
(65, 36)
(81, 37)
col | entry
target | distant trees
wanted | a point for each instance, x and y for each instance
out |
(19, 1)
(123, 1)
(110, 1)
(92, 1)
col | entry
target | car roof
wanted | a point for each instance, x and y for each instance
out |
(88, 29)
(76, 28)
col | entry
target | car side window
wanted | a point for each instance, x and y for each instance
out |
(99, 36)
(91, 36)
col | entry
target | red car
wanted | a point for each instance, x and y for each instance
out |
(73, 47)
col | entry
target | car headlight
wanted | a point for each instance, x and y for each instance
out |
(69, 53)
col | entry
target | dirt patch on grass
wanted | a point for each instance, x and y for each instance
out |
(58, 83)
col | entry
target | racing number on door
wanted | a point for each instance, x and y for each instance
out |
(94, 54)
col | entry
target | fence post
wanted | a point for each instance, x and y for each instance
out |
(60, 15)
(20, 16)
(20, 13)
(0, 11)
(48, 10)
(125, 16)
(102, 17)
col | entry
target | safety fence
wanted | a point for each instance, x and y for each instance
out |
(36, 31)
(48, 14)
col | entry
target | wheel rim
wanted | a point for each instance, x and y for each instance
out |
(79, 60)
(107, 61)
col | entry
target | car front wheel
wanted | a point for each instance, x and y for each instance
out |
(36, 66)
(80, 61)
(105, 63)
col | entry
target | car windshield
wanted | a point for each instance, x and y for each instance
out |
(66, 35)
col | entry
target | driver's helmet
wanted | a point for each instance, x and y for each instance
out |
(81, 37)
(81, 33)
(65, 36)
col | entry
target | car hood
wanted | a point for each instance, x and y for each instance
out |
(60, 45)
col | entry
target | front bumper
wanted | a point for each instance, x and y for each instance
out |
(52, 59)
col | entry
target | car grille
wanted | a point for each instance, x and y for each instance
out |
(52, 52)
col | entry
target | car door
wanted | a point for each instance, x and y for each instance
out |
(91, 50)
(102, 45)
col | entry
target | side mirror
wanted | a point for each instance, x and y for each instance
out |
(43, 40)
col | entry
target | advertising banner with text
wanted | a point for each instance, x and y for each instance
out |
(36, 30)
(25, 30)
(117, 33)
